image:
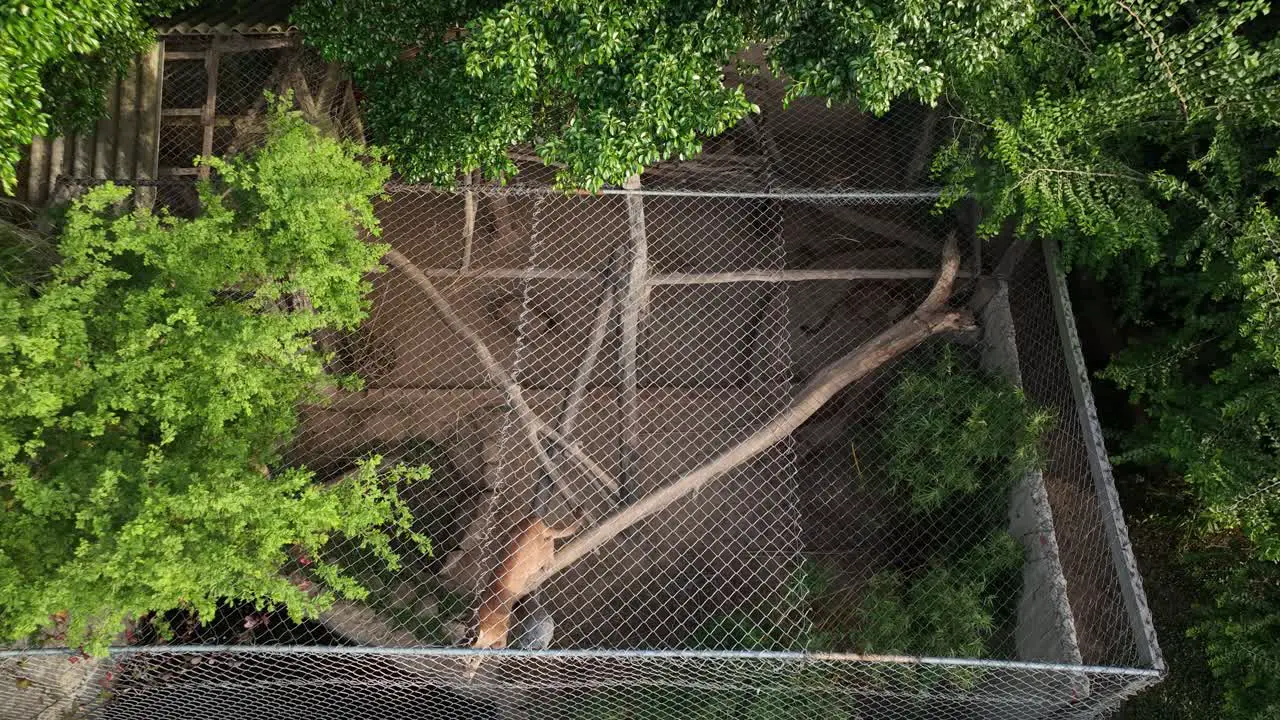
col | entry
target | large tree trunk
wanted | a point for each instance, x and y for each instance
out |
(931, 318)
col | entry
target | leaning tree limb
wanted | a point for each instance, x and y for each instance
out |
(534, 426)
(631, 304)
(932, 317)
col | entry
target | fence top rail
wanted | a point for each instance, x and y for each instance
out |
(463, 652)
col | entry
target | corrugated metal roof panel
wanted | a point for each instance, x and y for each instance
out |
(268, 17)
(124, 144)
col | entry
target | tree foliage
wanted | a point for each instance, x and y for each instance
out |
(1241, 631)
(1142, 137)
(603, 89)
(150, 381)
(56, 59)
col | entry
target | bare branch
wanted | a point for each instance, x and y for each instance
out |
(533, 425)
(599, 328)
(628, 352)
(942, 287)
(930, 318)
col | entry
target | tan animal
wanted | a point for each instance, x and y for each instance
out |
(527, 553)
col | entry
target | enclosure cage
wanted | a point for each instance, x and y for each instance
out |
(653, 327)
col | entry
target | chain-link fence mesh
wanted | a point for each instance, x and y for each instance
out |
(653, 328)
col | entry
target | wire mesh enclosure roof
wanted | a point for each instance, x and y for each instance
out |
(653, 328)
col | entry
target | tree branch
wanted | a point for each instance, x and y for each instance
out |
(930, 318)
(533, 425)
(632, 301)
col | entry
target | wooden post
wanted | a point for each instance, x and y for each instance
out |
(37, 162)
(468, 221)
(150, 88)
(920, 156)
(210, 105)
(633, 297)
(57, 161)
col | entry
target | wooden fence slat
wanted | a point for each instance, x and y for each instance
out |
(210, 105)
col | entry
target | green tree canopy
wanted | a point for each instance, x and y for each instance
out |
(603, 89)
(151, 379)
(1143, 138)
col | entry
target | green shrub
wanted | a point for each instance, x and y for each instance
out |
(1241, 632)
(947, 610)
(149, 384)
(953, 431)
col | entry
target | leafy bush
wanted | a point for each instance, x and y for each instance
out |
(150, 382)
(952, 431)
(57, 61)
(944, 611)
(604, 89)
(1142, 138)
(1241, 631)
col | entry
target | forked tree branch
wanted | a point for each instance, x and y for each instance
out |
(534, 426)
(932, 317)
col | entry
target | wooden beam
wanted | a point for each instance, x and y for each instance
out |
(795, 276)
(186, 54)
(884, 228)
(182, 112)
(770, 276)
(210, 105)
(630, 308)
(198, 120)
(509, 274)
(235, 45)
